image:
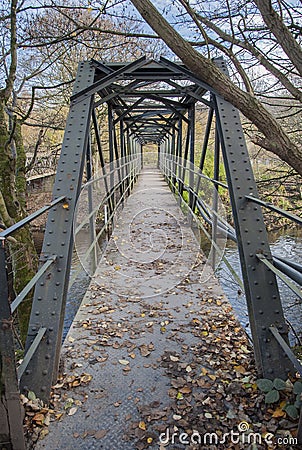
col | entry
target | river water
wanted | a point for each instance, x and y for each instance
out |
(288, 245)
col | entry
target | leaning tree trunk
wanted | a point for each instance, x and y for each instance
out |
(275, 138)
(12, 208)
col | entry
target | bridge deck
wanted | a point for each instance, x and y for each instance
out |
(156, 334)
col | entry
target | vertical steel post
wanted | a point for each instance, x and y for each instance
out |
(204, 151)
(102, 161)
(117, 161)
(94, 256)
(215, 198)
(11, 427)
(123, 159)
(261, 289)
(173, 160)
(179, 148)
(142, 156)
(185, 160)
(50, 295)
(192, 152)
(111, 154)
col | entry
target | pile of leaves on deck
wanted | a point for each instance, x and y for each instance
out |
(223, 396)
(218, 397)
(38, 415)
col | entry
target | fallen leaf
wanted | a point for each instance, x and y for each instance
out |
(185, 390)
(124, 362)
(176, 417)
(38, 419)
(142, 425)
(100, 434)
(31, 395)
(279, 412)
(240, 369)
(72, 411)
(144, 350)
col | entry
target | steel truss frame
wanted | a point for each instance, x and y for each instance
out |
(150, 102)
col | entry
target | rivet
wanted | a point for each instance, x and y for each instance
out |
(256, 283)
(43, 388)
(263, 328)
(45, 372)
(37, 313)
(260, 312)
(270, 370)
(34, 328)
(277, 311)
(27, 372)
(47, 356)
(267, 354)
(39, 299)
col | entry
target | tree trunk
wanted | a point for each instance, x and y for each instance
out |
(284, 37)
(275, 138)
(12, 208)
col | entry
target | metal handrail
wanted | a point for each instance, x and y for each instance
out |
(133, 173)
(21, 296)
(280, 211)
(8, 231)
(281, 267)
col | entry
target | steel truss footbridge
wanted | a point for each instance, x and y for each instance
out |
(147, 103)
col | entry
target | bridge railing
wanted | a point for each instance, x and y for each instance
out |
(108, 191)
(98, 206)
(11, 429)
(183, 177)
